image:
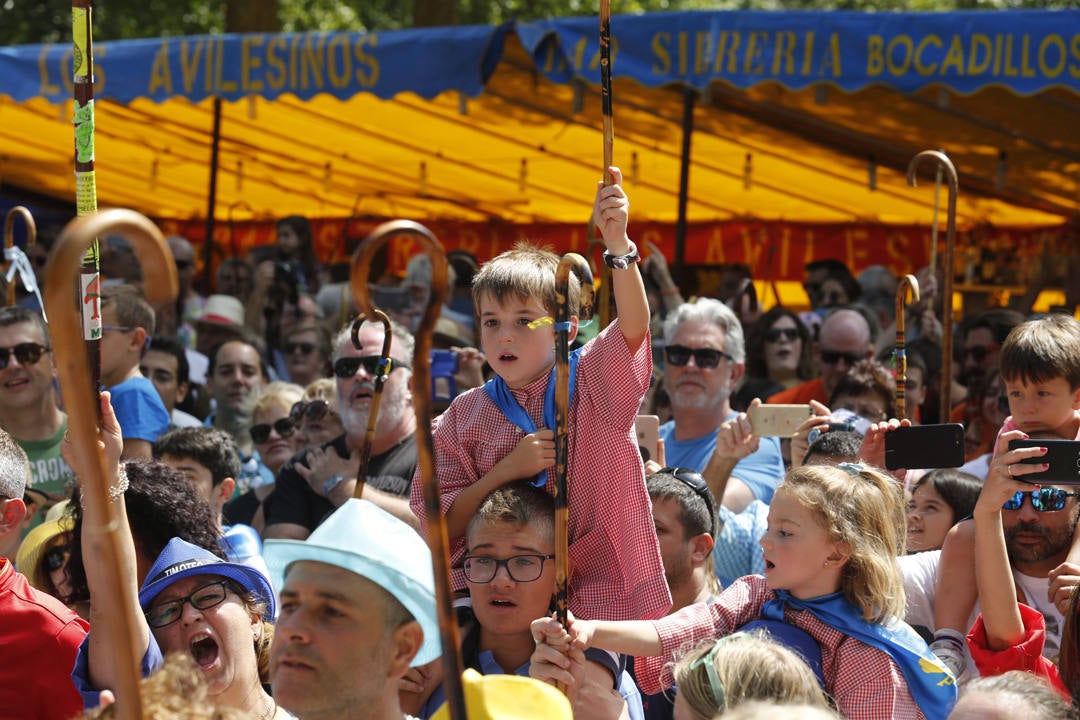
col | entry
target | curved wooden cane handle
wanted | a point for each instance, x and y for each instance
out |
(9, 240)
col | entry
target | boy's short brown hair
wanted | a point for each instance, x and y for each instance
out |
(526, 271)
(1040, 350)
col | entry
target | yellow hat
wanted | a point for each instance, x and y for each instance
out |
(509, 697)
(28, 559)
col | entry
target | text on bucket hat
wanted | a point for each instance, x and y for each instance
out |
(181, 559)
(367, 540)
(223, 310)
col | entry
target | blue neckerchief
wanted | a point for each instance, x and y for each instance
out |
(499, 392)
(930, 684)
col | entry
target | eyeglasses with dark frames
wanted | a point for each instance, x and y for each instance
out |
(27, 353)
(304, 348)
(346, 367)
(520, 568)
(1043, 499)
(774, 334)
(693, 480)
(704, 358)
(284, 427)
(831, 357)
(201, 598)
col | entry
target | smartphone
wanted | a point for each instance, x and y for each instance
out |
(648, 436)
(925, 446)
(1064, 459)
(777, 420)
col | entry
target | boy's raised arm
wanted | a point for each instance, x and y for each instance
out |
(611, 214)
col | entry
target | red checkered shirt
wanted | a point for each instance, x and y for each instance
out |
(616, 571)
(863, 681)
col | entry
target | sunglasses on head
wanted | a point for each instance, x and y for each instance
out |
(56, 557)
(774, 334)
(313, 411)
(693, 480)
(305, 348)
(830, 357)
(704, 358)
(1043, 499)
(26, 353)
(978, 353)
(346, 367)
(284, 427)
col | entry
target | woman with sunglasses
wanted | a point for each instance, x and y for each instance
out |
(43, 558)
(316, 415)
(190, 601)
(777, 356)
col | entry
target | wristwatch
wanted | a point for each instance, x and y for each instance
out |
(621, 262)
(332, 482)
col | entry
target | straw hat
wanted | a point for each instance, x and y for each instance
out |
(32, 550)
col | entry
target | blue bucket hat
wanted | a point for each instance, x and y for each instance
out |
(367, 540)
(181, 559)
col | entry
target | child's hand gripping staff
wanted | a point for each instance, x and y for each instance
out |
(383, 371)
(436, 528)
(102, 492)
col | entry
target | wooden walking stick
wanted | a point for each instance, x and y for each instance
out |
(568, 262)
(81, 400)
(383, 371)
(425, 446)
(605, 85)
(9, 245)
(942, 161)
(900, 353)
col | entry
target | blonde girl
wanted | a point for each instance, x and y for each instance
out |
(830, 569)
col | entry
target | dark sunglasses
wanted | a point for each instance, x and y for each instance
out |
(25, 353)
(774, 334)
(305, 348)
(284, 427)
(693, 480)
(346, 367)
(57, 556)
(313, 411)
(830, 357)
(704, 358)
(979, 352)
(202, 598)
(1043, 500)
(184, 264)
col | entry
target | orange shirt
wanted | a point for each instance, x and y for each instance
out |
(801, 394)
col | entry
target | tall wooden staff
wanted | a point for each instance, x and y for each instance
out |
(81, 401)
(425, 446)
(900, 354)
(82, 64)
(9, 243)
(605, 85)
(941, 160)
(570, 261)
(383, 371)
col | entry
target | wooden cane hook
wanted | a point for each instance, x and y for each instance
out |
(9, 241)
(941, 160)
(906, 283)
(381, 373)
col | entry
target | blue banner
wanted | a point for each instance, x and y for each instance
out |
(1024, 50)
(426, 62)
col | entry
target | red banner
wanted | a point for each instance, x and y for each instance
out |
(772, 250)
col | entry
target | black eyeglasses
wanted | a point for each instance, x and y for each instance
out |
(520, 568)
(1043, 500)
(313, 411)
(346, 367)
(202, 598)
(693, 480)
(305, 348)
(284, 427)
(774, 334)
(704, 358)
(56, 557)
(831, 357)
(26, 353)
(978, 353)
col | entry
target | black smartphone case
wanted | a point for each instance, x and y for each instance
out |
(1064, 459)
(925, 446)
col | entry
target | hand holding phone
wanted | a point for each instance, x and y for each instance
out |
(1063, 456)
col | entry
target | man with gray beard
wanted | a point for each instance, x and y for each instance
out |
(317, 480)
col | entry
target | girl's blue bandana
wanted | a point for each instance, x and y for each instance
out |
(499, 392)
(930, 684)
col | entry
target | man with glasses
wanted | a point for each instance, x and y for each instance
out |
(28, 407)
(844, 338)
(318, 480)
(703, 362)
(39, 635)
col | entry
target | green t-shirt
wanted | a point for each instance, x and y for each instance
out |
(49, 471)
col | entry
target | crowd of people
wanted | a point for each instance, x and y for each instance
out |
(737, 572)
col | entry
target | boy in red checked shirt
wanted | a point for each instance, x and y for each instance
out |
(503, 431)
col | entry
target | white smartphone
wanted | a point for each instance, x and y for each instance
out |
(777, 420)
(648, 435)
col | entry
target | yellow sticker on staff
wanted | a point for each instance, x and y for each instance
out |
(80, 34)
(86, 192)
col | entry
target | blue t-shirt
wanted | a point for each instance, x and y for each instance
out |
(762, 471)
(139, 410)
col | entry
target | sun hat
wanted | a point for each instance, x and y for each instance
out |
(367, 540)
(181, 559)
(223, 310)
(509, 697)
(33, 547)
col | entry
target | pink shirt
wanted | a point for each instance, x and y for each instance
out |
(616, 571)
(863, 681)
